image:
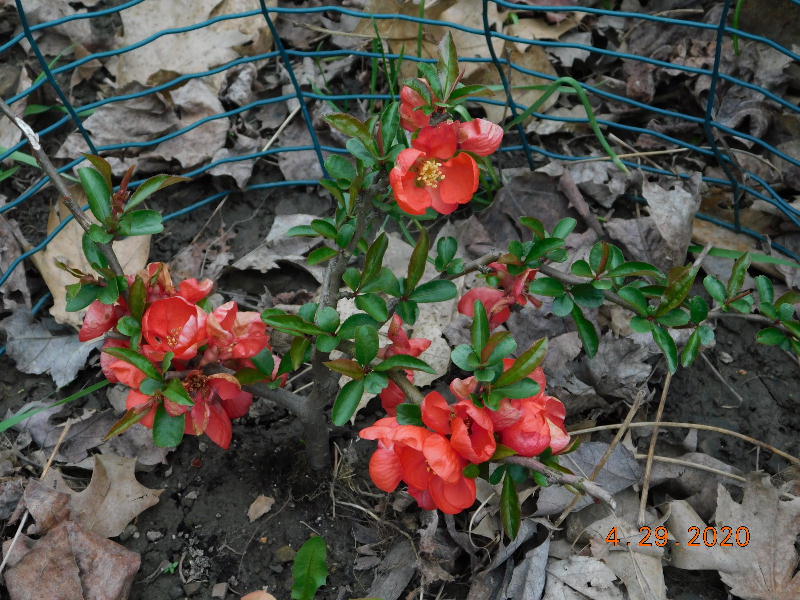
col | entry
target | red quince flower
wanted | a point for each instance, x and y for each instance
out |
(117, 370)
(494, 301)
(401, 343)
(431, 174)
(412, 117)
(139, 402)
(479, 136)
(516, 286)
(100, 319)
(470, 427)
(217, 399)
(233, 334)
(173, 325)
(392, 396)
(194, 290)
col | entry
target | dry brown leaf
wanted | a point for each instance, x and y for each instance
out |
(539, 29)
(15, 290)
(191, 51)
(580, 577)
(113, 498)
(260, 506)
(72, 563)
(673, 210)
(66, 247)
(765, 568)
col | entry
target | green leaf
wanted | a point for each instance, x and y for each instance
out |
(151, 386)
(110, 293)
(103, 167)
(497, 475)
(291, 324)
(79, 296)
(586, 331)
(340, 169)
(738, 274)
(390, 123)
(375, 383)
(480, 328)
(177, 393)
(766, 292)
(698, 309)
(471, 471)
(98, 192)
(409, 414)
(374, 306)
(321, 254)
(587, 295)
(138, 297)
(436, 290)
(691, 349)
(404, 361)
(97, 234)
(679, 283)
(641, 325)
(635, 297)
(524, 388)
(324, 228)
(714, 287)
(297, 351)
(509, 507)
(581, 268)
(347, 401)
(351, 126)
(373, 261)
(541, 247)
(547, 286)
(446, 248)
(386, 281)
(264, 362)
(366, 344)
(448, 63)
(419, 257)
(345, 235)
(631, 269)
(327, 343)
(664, 341)
(408, 311)
(598, 256)
(150, 187)
(327, 318)
(525, 364)
(128, 420)
(352, 278)
(93, 253)
(348, 329)
(674, 318)
(137, 360)
(706, 335)
(302, 231)
(771, 336)
(563, 306)
(499, 345)
(464, 357)
(129, 326)
(168, 430)
(310, 569)
(564, 228)
(141, 222)
(346, 366)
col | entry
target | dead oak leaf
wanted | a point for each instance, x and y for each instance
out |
(113, 498)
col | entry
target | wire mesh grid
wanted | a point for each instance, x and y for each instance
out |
(710, 149)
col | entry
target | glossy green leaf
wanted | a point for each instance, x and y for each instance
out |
(327, 343)
(635, 297)
(587, 295)
(375, 383)
(347, 330)
(79, 296)
(771, 336)
(340, 168)
(535, 225)
(679, 284)
(297, 351)
(404, 361)
(264, 362)
(137, 360)
(374, 306)
(302, 231)
(581, 268)
(499, 345)
(129, 326)
(691, 349)
(324, 228)
(436, 290)
(168, 430)
(98, 192)
(698, 309)
(321, 254)
(347, 401)
(373, 261)
(564, 228)
(366, 344)
(290, 323)
(346, 366)
(464, 357)
(385, 281)
(327, 318)
(641, 325)
(141, 222)
(509, 507)
(137, 298)
(632, 269)
(524, 388)
(103, 167)
(674, 318)
(408, 311)
(310, 569)
(352, 278)
(714, 287)
(665, 342)
(446, 248)
(563, 306)
(351, 126)
(547, 286)
(93, 253)
(525, 364)
(150, 386)
(480, 328)
(150, 187)
(586, 331)
(177, 393)
(98, 234)
(419, 258)
(738, 273)
(409, 414)
(766, 291)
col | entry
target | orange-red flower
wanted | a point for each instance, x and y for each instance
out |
(217, 399)
(470, 427)
(117, 370)
(100, 319)
(391, 396)
(498, 302)
(173, 325)
(412, 117)
(479, 136)
(431, 174)
(233, 334)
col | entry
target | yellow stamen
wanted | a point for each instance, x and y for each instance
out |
(430, 174)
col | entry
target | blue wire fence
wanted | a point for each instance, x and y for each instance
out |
(711, 150)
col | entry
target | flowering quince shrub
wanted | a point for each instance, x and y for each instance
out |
(192, 367)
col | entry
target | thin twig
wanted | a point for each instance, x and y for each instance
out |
(58, 181)
(692, 465)
(637, 402)
(280, 129)
(698, 426)
(648, 467)
(24, 518)
(723, 381)
(412, 392)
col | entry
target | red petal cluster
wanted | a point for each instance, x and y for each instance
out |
(498, 302)
(392, 395)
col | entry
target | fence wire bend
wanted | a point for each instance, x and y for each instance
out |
(707, 123)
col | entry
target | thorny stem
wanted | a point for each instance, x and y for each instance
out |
(582, 484)
(60, 184)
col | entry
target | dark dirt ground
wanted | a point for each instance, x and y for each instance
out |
(201, 522)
